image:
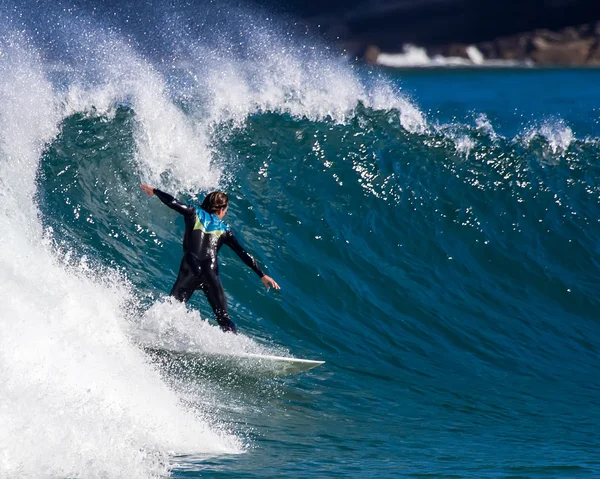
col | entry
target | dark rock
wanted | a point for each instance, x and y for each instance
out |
(540, 43)
(568, 54)
(371, 54)
(513, 48)
(569, 46)
(594, 57)
(435, 50)
(488, 49)
(570, 34)
(585, 30)
(456, 50)
(548, 35)
(452, 50)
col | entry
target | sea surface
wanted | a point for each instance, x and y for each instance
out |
(435, 233)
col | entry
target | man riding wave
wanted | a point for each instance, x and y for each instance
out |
(204, 235)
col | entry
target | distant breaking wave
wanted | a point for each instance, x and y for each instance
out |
(414, 56)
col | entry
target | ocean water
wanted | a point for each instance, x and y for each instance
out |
(436, 236)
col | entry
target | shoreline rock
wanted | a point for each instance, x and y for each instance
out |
(569, 46)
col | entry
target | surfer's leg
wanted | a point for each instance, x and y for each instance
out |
(213, 289)
(187, 282)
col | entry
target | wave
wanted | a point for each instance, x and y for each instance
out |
(83, 398)
(336, 176)
(74, 386)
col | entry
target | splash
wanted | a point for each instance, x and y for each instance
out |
(78, 398)
(169, 325)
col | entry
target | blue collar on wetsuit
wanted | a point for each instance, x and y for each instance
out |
(208, 223)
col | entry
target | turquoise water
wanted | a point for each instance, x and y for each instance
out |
(435, 234)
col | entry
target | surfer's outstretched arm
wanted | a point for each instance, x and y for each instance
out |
(247, 258)
(169, 200)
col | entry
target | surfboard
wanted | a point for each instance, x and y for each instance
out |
(247, 364)
(282, 365)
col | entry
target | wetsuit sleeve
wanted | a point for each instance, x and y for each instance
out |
(172, 203)
(232, 242)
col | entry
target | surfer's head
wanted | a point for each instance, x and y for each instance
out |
(216, 203)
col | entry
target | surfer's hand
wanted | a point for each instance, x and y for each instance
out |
(268, 282)
(148, 189)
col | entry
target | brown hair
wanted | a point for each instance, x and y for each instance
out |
(214, 202)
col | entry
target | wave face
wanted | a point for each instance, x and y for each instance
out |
(435, 236)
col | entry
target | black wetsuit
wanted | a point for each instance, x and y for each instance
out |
(204, 235)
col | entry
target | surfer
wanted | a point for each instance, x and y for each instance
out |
(204, 235)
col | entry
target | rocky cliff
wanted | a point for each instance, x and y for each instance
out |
(545, 32)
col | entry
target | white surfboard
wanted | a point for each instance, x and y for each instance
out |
(280, 365)
(249, 364)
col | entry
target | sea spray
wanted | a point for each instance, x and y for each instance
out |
(78, 398)
(444, 265)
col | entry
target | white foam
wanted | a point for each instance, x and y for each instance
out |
(464, 145)
(77, 398)
(384, 97)
(484, 124)
(557, 135)
(168, 141)
(169, 325)
(175, 148)
(286, 79)
(413, 56)
(475, 55)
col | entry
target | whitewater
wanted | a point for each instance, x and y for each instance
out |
(435, 235)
